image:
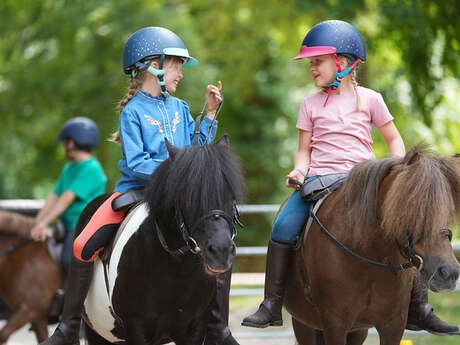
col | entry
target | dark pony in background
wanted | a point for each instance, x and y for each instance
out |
(392, 211)
(160, 281)
(29, 277)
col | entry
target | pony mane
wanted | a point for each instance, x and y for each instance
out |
(197, 178)
(423, 197)
(12, 223)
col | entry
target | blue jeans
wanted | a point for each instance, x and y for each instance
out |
(291, 220)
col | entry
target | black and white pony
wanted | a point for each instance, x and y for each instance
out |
(159, 283)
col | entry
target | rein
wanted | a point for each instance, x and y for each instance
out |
(15, 246)
(196, 133)
(410, 254)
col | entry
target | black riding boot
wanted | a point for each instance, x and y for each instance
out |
(269, 313)
(217, 332)
(77, 286)
(421, 315)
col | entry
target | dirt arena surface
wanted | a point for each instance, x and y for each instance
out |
(244, 335)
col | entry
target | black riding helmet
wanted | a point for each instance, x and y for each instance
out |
(82, 130)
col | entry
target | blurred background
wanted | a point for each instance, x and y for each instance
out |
(60, 59)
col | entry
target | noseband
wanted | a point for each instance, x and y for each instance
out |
(187, 233)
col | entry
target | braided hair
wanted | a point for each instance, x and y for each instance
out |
(134, 87)
(353, 80)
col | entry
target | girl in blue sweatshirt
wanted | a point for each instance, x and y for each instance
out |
(153, 58)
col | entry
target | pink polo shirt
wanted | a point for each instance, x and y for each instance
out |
(341, 135)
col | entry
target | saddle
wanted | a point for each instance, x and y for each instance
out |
(315, 192)
(128, 199)
(128, 202)
(316, 188)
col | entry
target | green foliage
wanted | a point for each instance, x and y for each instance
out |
(61, 58)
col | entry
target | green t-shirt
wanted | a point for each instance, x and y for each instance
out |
(87, 180)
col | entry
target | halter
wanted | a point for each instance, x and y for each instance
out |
(339, 75)
(186, 232)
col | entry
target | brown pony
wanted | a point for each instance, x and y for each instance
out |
(387, 211)
(29, 277)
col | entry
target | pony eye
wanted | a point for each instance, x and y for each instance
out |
(447, 232)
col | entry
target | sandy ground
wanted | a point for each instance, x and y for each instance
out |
(239, 308)
(245, 336)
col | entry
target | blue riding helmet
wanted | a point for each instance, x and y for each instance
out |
(151, 42)
(333, 36)
(82, 130)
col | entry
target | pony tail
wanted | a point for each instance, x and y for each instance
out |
(355, 87)
(134, 87)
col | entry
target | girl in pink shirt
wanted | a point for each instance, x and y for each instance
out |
(335, 127)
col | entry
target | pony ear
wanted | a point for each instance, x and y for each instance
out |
(412, 156)
(224, 140)
(172, 150)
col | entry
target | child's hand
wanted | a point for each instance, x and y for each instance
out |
(38, 232)
(214, 97)
(294, 175)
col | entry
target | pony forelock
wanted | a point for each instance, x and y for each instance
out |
(198, 178)
(422, 195)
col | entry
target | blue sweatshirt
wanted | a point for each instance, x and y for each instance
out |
(145, 122)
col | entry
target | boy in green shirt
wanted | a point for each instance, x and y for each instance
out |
(81, 180)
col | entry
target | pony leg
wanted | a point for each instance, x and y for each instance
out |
(134, 332)
(18, 319)
(40, 327)
(196, 334)
(93, 338)
(303, 334)
(390, 335)
(357, 337)
(335, 336)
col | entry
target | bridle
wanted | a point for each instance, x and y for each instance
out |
(187, 233)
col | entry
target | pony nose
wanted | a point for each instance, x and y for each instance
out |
(219, 253)
(456, 272)
(447, 272)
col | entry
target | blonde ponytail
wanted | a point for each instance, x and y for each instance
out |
(134, 87)
(355, 87)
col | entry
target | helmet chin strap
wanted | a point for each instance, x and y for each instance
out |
(339, 75)
(159, 73)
